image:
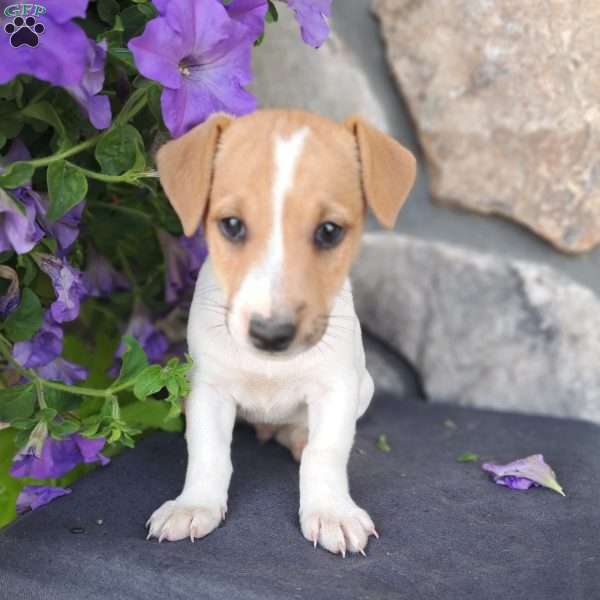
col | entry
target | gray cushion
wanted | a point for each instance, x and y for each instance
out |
(446, 530)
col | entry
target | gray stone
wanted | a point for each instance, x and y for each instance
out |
(505, 100)
(480, 330)
(328, 81)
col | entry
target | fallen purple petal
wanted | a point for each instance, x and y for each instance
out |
(524, 473)
(34, 496)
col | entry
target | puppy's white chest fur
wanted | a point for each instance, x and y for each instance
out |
(273, 390)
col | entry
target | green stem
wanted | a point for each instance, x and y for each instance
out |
(103, 177)
(131, 112)
(39, 388)
(46, 160)
(39, 381)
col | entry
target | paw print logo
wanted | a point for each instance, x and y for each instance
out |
(24, 31)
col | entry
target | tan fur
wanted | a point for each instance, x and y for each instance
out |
(388, 170)
(186, 166)
(337, 164)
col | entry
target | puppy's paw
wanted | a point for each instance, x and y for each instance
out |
(340, 528)
(175, 520)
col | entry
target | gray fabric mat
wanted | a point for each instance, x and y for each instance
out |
(447, 532)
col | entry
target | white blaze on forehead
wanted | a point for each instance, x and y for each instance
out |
(260, 284)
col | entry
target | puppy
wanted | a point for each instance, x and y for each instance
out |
(282, 197)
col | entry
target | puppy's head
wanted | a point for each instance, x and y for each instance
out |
(282, 196)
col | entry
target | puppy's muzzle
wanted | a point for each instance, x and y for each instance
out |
(274, 334)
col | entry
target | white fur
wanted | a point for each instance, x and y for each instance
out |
(258, 291)
(323, 390)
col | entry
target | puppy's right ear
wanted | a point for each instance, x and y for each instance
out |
(185, 166)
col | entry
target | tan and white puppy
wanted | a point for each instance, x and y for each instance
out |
(282, 196)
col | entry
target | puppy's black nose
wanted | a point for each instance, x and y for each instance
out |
(273, 334)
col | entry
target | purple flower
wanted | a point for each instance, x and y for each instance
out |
(524, 473)
(65, 230)
(18, 229)
(96, 107)
(68, 285)
(42, 348)
(34, 496)
(310, 15)
(61, 369)
(152, 340)
(60, 54)
(250, 13)
(183, 258)
(58, 457)
(201, 56)
(10, 299)
(100, 278)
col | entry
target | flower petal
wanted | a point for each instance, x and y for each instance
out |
(34, 496)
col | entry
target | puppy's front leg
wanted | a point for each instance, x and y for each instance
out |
(328, 515)
(202, 504)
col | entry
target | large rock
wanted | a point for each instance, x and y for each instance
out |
(329, 81)
(505, 99)
(483, 331)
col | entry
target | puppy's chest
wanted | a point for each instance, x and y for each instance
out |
(271, 398)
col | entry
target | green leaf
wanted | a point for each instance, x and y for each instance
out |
(272, 15)
(134, 361)
(149, 381)
(67, 427)
(382, 443)
(464, 457)
(17, 402)
(123, 55)
(26, 263)
(16, 175)
(116, 152)
(107, 10)
(150, 414)
(44, 111)
(3, 140)
(26, 319)
(67, 187)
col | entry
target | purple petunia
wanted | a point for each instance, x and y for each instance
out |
(202, 58)
(61, 369)
(34, 496)
(100, 278)
(87, 90)
(68, 286)
(42, 348)
(10, 299)
(64, 230)
(311, 16)
(60, 54)
(58, 457)
(18, 228)
(152, 340)
(524, 473)
(183, 258)
(250, 13)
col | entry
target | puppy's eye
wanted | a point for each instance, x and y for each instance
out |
(233, 229)
(328, 235)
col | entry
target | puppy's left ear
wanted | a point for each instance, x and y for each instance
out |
(388, 170)
(185, 166)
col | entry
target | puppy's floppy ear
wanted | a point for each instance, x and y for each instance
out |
(185, 166)
(388, 170)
